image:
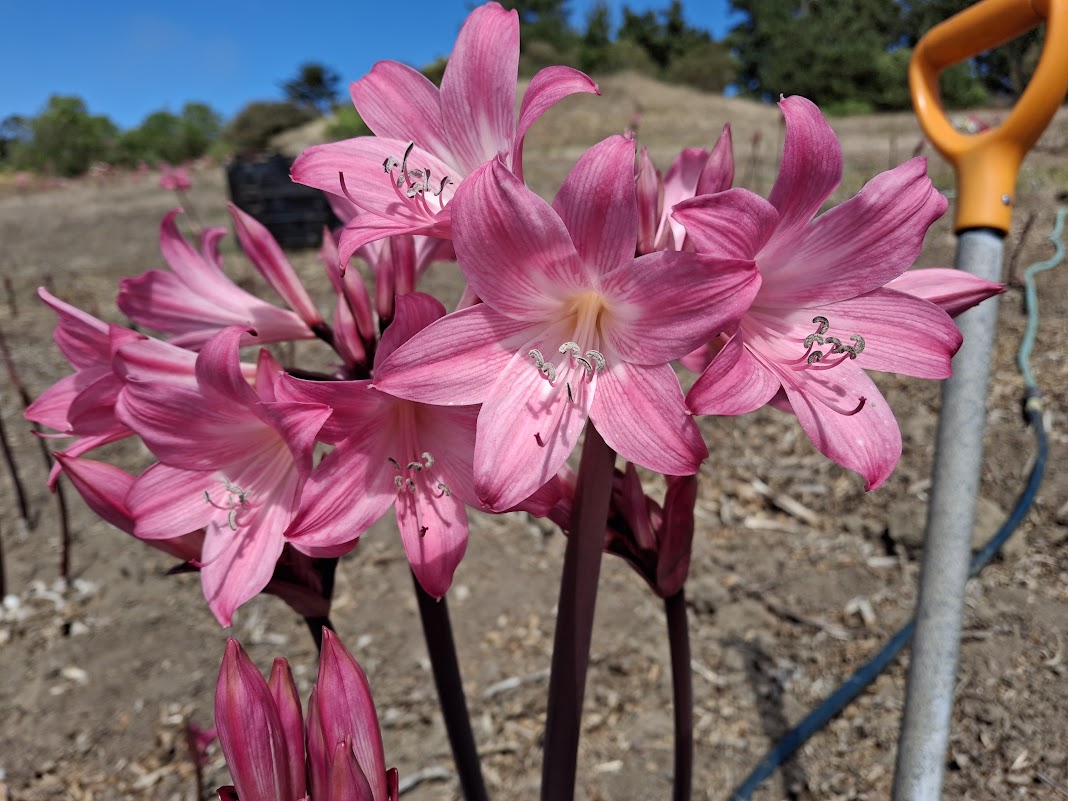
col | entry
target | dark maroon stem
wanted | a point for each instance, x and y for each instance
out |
(682, 688)
(437, 630)
(574, 619)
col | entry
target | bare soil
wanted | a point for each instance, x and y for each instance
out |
(100, 679)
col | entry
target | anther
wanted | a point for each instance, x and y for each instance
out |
(856, 349)
(597, 358)
(539, 360)
(390, 164)
(409, 484)
(231, 519)
(572, 347)
(549, 370)
(823, 324)
(570, 395)
(422, 531)
(815, 356)
(429, 459)
(585, 365)
(415, 466)
(444, 490)
(398, 481)
(394, 462)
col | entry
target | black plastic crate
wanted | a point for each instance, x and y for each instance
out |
(294, 214)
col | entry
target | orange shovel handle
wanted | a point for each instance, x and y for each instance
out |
(987, 163)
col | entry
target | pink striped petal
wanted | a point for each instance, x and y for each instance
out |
(82, 338)
(664, 305)
(398, 102)
(287, 701)
(736, 382)
(433, 528)
(953, 291)
(732, 224)
(479, 86)
(718, 172)
(412, 313)
(167, 502)
(103, 487)
(345, 708)
(455, 360)
(598, 206)
(546, 87)
(641, 414)
(527, 428)
(267, 257)
(525, 271)
(858, 245)
(810, 170)
(902, 334)
(868, 441)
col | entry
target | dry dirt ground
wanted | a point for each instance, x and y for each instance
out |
(99, 681)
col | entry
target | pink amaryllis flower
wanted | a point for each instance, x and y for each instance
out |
(695, 171)
(572, 325)
(427, 141)
(195, 300)
(232, 460)
(297, 579)
(823, 312)
(390, 452)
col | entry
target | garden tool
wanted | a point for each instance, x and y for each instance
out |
(986, 167)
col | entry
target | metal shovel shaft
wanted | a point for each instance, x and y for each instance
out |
(947, 548)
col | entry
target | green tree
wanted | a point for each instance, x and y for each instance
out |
(16, 132)
(199, 128)
(251, 128)
(315, 87)
(67, 138)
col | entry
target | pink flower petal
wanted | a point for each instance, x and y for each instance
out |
(167, 502)
(546, 87)
(599, 209)
(250, 732)
(412, 313)
(857, 246)
(398, 102)
(527, 428)
(237, 565)
(732, 224)
(954, 291)
(346, 709)
(718, 172)
(347, 493)
(868, 442)
(267, 257)
(902, 334)
(287, 702)
(103, 487)
(527, 270)
(736, 382)
(641, 414)
(811, 167)
(479, 86)
(433, 528)
(455, 360)
(664, 305)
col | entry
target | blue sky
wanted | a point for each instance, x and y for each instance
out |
(128, 58)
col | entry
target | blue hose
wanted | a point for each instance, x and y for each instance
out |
(867, 673)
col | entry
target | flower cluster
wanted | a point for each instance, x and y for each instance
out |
(575, 311)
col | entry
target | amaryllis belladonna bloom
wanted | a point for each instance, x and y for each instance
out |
(195, 300)
(390, 452)
(823, 314)
(427, 141)
(232, 460)
(695, 171)
(572, 326)
(104, 488)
